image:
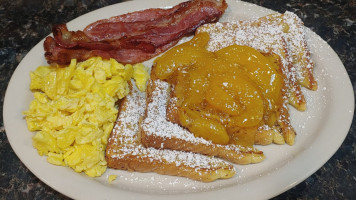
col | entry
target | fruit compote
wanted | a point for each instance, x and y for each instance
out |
(222, 96)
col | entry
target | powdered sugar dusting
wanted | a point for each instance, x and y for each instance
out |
(297, 45)
(156, 122)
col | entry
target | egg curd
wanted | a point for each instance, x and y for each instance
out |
(74, 110)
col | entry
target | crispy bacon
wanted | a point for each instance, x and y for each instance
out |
(62, 56)
(182, 17)
(132, 37)
(78, 39)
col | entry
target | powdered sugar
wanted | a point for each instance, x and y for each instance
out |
(156, 122)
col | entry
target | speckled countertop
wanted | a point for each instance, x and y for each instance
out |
(24, 23)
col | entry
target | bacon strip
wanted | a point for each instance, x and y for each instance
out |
(132, 37)
(192, 13)
(62, 56)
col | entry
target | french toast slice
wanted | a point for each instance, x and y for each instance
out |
(294, 33)
(124, 149)
(158, 132)
(282, 34)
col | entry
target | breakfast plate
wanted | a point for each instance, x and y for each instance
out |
(320, 130)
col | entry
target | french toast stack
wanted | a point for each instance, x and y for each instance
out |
(126, 152)
(147, 139)
(280, 34)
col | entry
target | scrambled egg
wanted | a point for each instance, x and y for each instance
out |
(111, 178)
(141, 76)
(74, 110)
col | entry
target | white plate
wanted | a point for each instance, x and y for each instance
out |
(321, 130)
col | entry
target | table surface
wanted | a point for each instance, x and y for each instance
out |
(24, 23)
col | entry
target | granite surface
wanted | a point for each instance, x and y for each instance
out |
(24, 23)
